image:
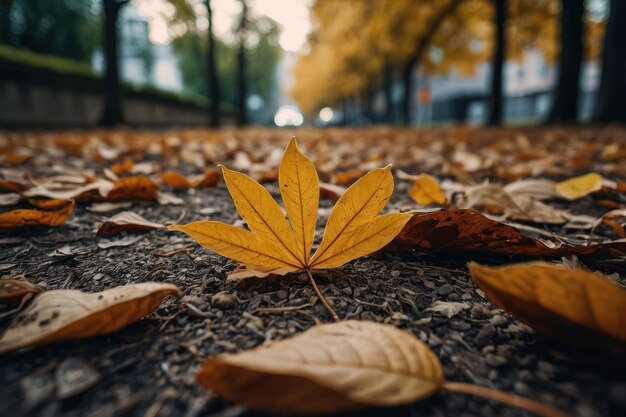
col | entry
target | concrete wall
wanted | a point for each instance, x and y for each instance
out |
(35, 97)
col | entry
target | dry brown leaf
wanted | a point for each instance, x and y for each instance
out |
(126, 221)
(464, 229)
(329, 368)
(133, 188)
(175, 179)
(54, 316)
(12, 291)
(573, 306)
(331, 191)
(29, 217)
(122, 167)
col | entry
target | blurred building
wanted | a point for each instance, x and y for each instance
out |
(528, 86)
(141, 62)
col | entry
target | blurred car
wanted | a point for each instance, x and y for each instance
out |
(288, 115)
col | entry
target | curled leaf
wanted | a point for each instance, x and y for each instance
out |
(126, 221)
(329, 368)
(12, 291)
(573, 306)
(54, 316)
(468, 230)
(29, 217)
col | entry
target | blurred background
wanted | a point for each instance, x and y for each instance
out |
(157, 63)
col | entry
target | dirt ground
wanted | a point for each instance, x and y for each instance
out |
(148, 369)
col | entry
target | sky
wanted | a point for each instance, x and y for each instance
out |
(291, 15)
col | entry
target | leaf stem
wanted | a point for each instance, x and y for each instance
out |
(330, 310)
(504, 397)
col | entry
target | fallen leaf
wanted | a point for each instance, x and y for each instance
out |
(9, 199)
(426, 191)
(55, 316)
(573, 306)
(353, 228)
(63, 191)
(122, 167)
(331, 191)
(106, 206)
(167, 198)
(126, 221)
(130, 240)
(518, 205)
(173, 179)
(447, 308)
(133, 188)
(12, 291)
(579, 187)
(468, 230)
(327, 369)
(29, 217)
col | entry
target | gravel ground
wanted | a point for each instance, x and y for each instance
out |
(148, 368)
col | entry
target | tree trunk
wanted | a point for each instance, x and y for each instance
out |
(407, 75)
(565, 105)
(6, 34)
(387, 90)
(242, 91)
(112, 112)
(495, 96)
(213, 86)
(611, 99)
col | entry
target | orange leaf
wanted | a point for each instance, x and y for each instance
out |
(573, 306)
(28, 217)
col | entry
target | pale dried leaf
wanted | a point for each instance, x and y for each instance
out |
(327, 369)
(59, 315)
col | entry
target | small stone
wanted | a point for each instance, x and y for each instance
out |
(395, 274)
(498, 320)
(445, 289)
(347, 291)
(74, 376)
(454, 297)
(460, 325)
(282, 294)
(546, 367)
(494, 360)
(521, 388)
(223, 300)
(481, 312)
(466, 296)
(485, 335)
(43, 284)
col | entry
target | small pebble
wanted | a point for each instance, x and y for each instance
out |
(495, 360)
(454, 297)
(498, 320)
(223, 300)
(395, 274)
(485, 335)
(445, 289)
(481, 312)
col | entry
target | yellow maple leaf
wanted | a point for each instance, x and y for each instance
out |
(426, 191)
(275, 245)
